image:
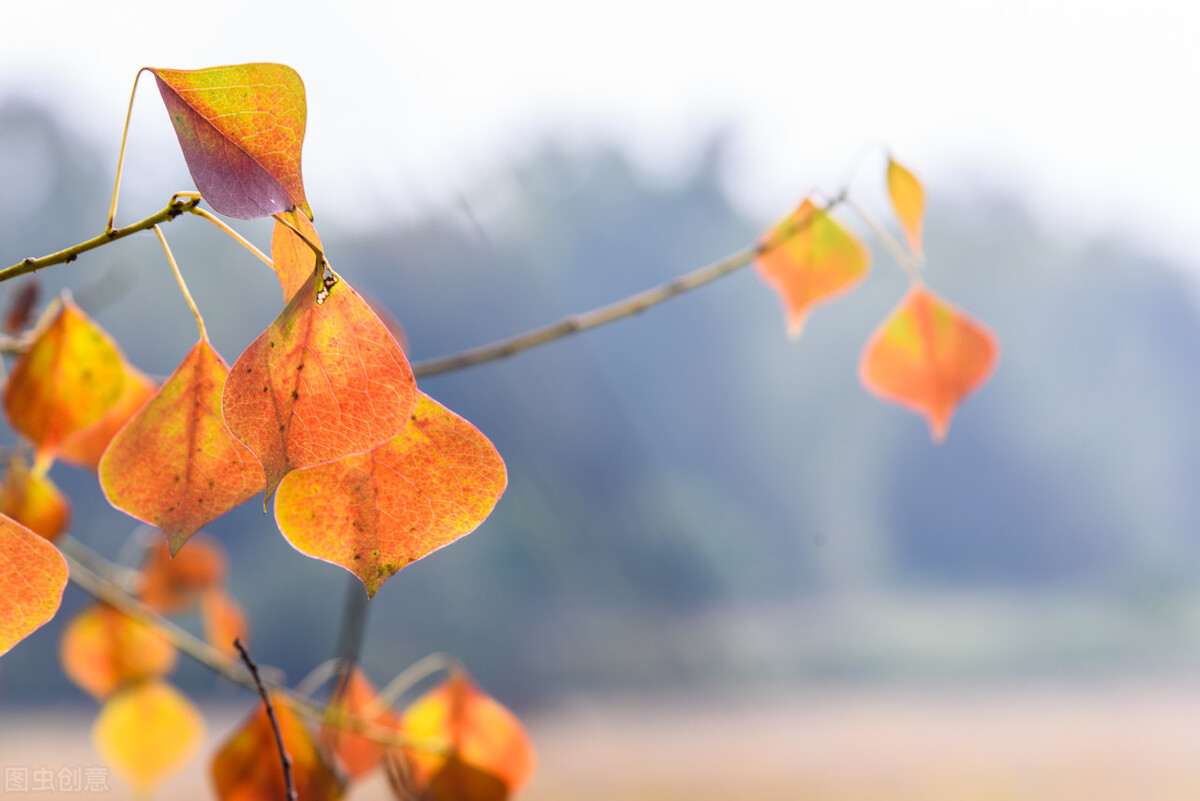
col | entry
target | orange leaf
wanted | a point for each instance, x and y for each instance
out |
(358, 755)
(85, 447)
(294, 261)
(34, 501)
(375, 512)
(247, 767)
(241, 129)
(808, 258)
(175, 464)
(491, 757)
(224, 621)
(908, 199)
(33, 575)
(103, 649)
(147, 731)
(325, 380)
(927, 356)
(175, 584)
(70, 376)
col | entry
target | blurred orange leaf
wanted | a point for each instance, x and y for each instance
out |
(175, 464)
(34, 501)
(294, 261)
(357, 755)
(70, 376)
(908, 200)
(147, 731)
(224, 621)
(33, 575)
(241, 129)
(375, 512)
(247, 766)
(491, 757)
(176, 584)
(103, 649)
(808, 258)
(85, 447)
(325, 380)
(927, 356)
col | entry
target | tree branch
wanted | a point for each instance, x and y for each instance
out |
(176, 206)
(285, 759)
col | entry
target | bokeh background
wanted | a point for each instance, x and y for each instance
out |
(706, 523)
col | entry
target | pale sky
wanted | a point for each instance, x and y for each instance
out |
(1089, 111)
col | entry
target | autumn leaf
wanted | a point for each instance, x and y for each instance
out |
(224, 621)
(490, 758)
(325, 380)
(176, 584)
(175, 465)
(33, 575)
(21, 306)
(247, 766)
(84, 447)
(70, 376)
(808, 258)
(375, 512)
(357, 754)
(103, 649)
(927, 356)
(908, 200)
(293, 259)
(33, 500)
(241, 129)
(147, 731)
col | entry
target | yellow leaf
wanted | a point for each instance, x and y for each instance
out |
(146, 732)
(908, 200)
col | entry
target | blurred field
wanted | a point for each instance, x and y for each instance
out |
(1093, 741)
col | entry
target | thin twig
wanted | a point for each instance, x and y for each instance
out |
(162, 240)
(90, 572)
(910, 265)
(288, 782)
(112, 209)
(241, 240)
(613, 311)
(172, 210)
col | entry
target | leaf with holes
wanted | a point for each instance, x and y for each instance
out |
(33, 575)
(241, 129)
(103, 649)
(85, 447)
(908, 200)
(175, 465)
(247, 764)
(358, 755)
(325, 380)
(69, 378)
(177, 584)
(294, 261)
(375, 512)
(490, 758)
(146, 732)
(927, 356)
(808, 258)
(33, 500)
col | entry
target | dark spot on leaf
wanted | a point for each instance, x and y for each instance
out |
(295, 395)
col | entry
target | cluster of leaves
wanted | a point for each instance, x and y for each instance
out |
(322, 413)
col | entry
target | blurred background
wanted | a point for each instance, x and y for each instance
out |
(705, 519)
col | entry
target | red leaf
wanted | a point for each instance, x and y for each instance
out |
(808, 258)
(175, 465)
(247, 767)
(241, 129)
(33, 575)
(375, 512)
(325, 380)
(928, 356)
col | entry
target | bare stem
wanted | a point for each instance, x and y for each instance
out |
(90, 571)
(288, 782)
(613, 311)
(112, 209)
(182, 284)
(173, 209)
(241, 240)
(415, 673)
(910, 265)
